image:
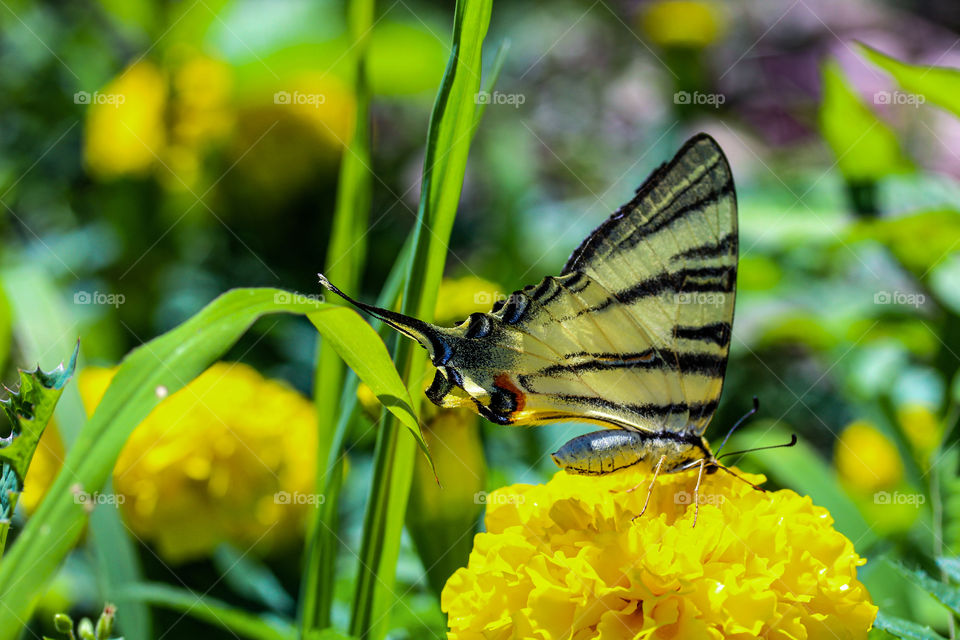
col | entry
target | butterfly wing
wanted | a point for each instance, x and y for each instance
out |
(669, 257)
(627, 336)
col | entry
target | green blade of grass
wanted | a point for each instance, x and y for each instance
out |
(170, 361)
(210, 610)
(451, 127)
(345, 257)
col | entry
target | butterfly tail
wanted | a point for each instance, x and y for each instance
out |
(429, 336)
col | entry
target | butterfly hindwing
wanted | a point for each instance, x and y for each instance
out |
(634, 333)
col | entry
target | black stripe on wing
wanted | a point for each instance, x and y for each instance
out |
(660, 214)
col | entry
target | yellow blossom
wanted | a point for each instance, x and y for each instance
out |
(866, 460)
(125, 128)
(208, 464)
(682, 23)
(44, 466)
(922, 428)
(459, 297)
(566, 559)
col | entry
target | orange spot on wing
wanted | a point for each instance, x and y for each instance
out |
(503, 381)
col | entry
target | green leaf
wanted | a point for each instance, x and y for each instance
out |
(866, 149)
(169, 361)
(939, 85)
(904, 628)
(948, 595)
(211, 610)
(28, 409)
(452, 124)
(251, 578)
(950, 566)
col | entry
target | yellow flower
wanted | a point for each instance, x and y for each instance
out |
(682, 23)
(459, 297)
(866, 460)
(922, 428)
(44, 467)
(125, 129)
(230, 457)
(567, 560)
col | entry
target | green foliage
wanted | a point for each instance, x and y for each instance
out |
(28, 410)
(939, 85)
(866, 149)
(213, 611)
(169, 362)
(448, 141)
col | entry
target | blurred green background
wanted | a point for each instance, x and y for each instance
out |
(154, 154)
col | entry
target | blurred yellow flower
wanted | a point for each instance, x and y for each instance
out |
(922, 428)
(44, 467)
(230, 457)
(682, 23)
(125, 127)
(866, 460)
(567, 560)
(459, 297)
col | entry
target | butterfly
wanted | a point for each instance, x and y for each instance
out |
(633, 335)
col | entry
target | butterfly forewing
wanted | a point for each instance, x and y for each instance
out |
(633, 334)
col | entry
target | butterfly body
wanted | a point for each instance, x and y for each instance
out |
(603, 452)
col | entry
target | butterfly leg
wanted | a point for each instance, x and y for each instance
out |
(696, 494)
(646, 502)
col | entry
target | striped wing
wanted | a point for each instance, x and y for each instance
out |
(634, 333)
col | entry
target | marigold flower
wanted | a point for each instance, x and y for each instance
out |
(866, 459)
(566, 560)
(230, 457)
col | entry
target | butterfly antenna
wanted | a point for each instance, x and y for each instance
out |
(793, 441)
(738, 476)
(748, 414)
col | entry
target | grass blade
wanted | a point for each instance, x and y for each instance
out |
(169, 361)
(448, 142)
(210, 610)
(345, 258)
